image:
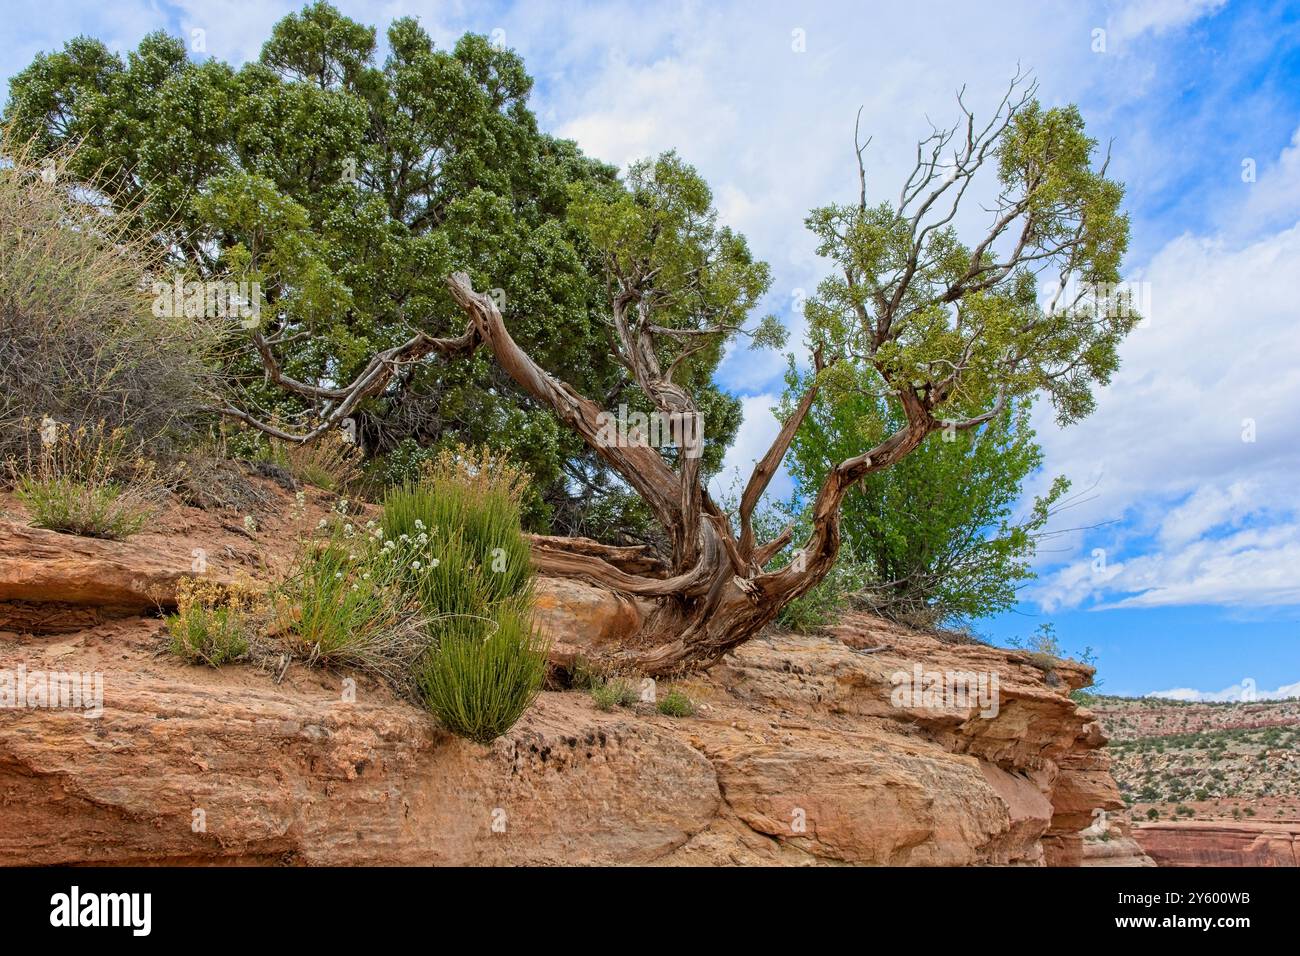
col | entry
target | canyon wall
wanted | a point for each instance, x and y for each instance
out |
(1220, 843)
(796, 755)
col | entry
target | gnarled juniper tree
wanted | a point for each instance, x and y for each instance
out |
(616, 292)
(951, 330)
(347, 184)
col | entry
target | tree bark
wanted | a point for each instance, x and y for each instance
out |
(715, 594)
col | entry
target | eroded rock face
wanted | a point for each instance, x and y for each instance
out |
(188, 763)
(566, 608)
(797, 755)
(1220, 843)
(1119, 850)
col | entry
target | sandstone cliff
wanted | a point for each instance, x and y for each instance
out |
(796, 756)
(1220, 843)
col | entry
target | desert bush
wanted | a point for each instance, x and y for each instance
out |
(827, 600)
(79, 342)
(604, 695)
(436, 599)
(675, 704)
(87, 480)
(214, 624)
(613, 692)
(466, 507)
(329, 462)
(462, 552)
(344, 603)
(484, 673)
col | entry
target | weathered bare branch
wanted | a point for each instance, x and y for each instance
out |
(337, 403)
(767, 466)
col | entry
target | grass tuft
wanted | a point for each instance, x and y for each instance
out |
(486, 662)
(345, 604)
(612, 692)
(483, 674)
(214, 625)
(675, 704)
(87, 481)
(329, 463)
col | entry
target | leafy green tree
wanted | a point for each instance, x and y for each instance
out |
(623, 289)
(937, 532)
(952, 333)
(348, 188)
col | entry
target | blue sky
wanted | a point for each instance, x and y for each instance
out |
(1197, 587)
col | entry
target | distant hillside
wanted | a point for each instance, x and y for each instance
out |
(1209, 761)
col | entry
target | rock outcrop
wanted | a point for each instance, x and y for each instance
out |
(800, 751)
(1220, 843)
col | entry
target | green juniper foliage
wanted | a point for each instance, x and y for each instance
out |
(962, 312)
(348, 187)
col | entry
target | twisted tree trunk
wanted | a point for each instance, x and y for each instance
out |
(712, 593)
(715, 594)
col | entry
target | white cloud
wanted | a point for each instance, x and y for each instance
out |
(753, 439)
(1274, 198)
(1208, 508)
(1252, 568)
(1196, 442)
(1160, 16)
(1243, 691)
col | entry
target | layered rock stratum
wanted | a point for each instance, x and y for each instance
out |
(796, 755)
(1208, 784)
(1220, 843)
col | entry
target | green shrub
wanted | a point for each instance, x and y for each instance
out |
(611, 693)
(436, 597)
(456, 539)
(87, 481)
(344, 603)
(824, 602)
(105, 510)
(676, 704)
(604, 695)
(467, 507)
(626, 693)
(483, 674)
(213, 625)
